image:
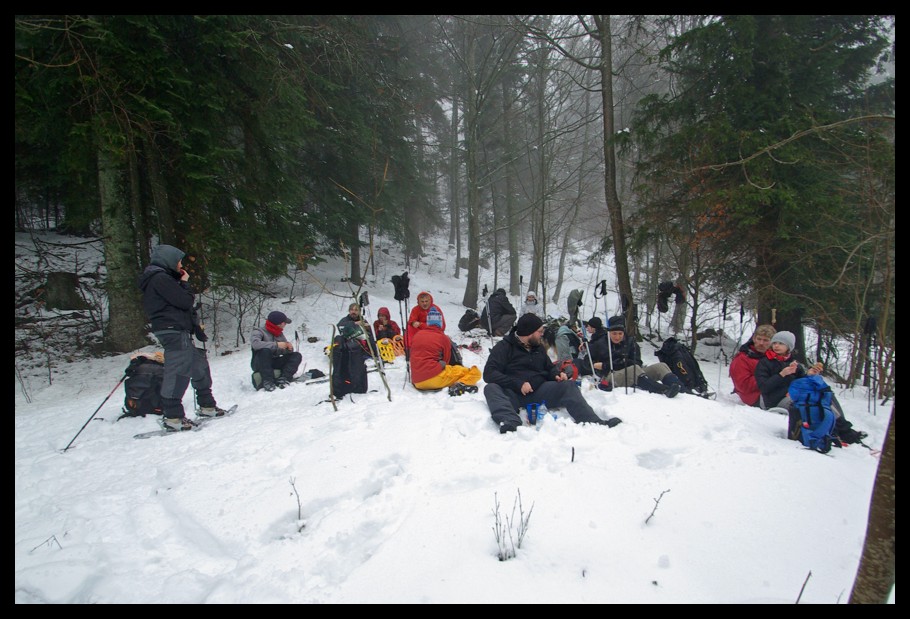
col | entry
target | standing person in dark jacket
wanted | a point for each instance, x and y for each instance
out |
(499, 313)
(742, 367)
(519, 372)
(625, 355)
(272, 351)
(168, 303)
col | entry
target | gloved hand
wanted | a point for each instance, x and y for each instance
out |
(200, 334)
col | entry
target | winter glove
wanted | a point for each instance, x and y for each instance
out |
(200, 334)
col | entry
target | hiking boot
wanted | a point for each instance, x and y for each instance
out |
(613, 422)
(507, 427)
(283, 382)
(210, 411)
(177, 424)
(672, 385)
(651, 386)
(268, 386)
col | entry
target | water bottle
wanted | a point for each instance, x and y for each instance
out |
(533, 413)
(542, 414)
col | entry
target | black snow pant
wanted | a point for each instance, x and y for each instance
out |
(504, 403)
(264, 362)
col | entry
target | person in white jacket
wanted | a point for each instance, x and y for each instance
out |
(531, 304)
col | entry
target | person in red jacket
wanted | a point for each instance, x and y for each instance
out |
(384, 326)
(419, 315)
(434, 365)
(742, 367)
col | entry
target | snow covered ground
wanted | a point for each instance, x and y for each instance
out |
(396, 498)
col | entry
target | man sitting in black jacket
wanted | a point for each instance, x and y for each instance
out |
(519, 372)
(613, 347)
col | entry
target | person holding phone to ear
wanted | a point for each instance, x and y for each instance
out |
(168, 303)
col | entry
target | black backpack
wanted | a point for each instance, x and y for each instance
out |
(683, 364)
(143, 387)
(349, 370)
(470, 320)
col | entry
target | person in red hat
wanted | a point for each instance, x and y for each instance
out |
(272, 351)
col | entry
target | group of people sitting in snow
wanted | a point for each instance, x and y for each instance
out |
(519, 370)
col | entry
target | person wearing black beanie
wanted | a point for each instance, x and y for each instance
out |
(519, 372)
(528, 324)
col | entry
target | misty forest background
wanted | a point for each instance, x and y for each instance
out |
(747, 158)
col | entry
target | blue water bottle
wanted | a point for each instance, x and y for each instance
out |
(532, 413)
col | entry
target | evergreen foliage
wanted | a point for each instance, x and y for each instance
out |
(722, 153)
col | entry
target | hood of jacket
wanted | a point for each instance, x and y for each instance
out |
(166, 257)
(150, 271)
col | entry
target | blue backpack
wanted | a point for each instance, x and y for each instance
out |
(811, 397)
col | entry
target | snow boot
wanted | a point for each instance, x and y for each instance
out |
(651, 386)
(507, 427)
(211, 411)
(177, 424)
(671, 382)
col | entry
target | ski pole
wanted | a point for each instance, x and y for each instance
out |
(584, 338)
(96, 412)
(720, 335)
(521, 287)
(489, 317)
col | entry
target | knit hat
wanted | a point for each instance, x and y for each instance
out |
(616, 323)
(596, 323)
(276, 318)
(786, 338)
(528, 324)
(434, 317)
(531, 295)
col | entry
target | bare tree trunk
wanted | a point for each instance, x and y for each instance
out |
(355, 276)
(140, 230)
(511, 224)
(875, 576)
(454, 210)
(614, 207)
(471, 146)
(126, 319)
